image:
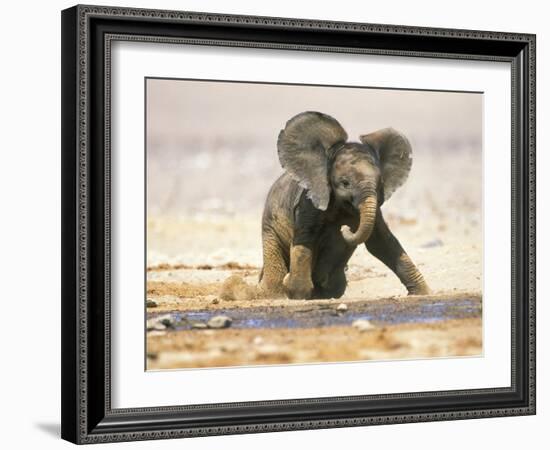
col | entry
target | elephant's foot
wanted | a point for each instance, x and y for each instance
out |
(420, 289)
(411, 277)
(297, 287)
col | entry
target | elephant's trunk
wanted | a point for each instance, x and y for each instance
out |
(367, 217)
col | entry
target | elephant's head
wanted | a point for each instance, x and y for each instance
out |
(313, 148)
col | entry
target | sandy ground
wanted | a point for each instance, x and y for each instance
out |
(231, 347)
(211, 159)
(190, 256)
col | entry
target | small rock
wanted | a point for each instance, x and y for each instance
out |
(258, 340)
(151, 303)
(166, 319)
(342, 307)
(220, 322)
(199, 326)
(153, 325)
(363, 325)
(160, 323)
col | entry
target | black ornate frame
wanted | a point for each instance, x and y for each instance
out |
(87, 33)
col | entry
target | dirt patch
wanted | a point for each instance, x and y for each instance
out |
(238, 347)
(193, 260)
(231, 265)
(282, 331)
(235, 288)
(181, 289)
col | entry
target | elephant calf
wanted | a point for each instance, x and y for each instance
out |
(327, 203)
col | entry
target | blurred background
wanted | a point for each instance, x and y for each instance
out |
(211, 146)
(212, 157)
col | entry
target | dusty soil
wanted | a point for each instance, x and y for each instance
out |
(255, 346)
(436, 216)
(282, 331)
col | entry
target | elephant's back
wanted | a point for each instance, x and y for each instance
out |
(284, 193)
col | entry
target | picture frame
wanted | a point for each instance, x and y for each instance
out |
(88, 33)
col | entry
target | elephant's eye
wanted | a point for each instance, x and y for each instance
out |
(345, 183)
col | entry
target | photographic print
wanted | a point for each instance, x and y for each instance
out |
(292, 224)
(322, 203)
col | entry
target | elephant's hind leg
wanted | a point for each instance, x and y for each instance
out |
(275, 267)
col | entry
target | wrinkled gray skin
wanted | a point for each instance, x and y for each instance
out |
(327, 203)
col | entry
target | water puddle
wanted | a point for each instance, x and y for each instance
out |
(381, 312)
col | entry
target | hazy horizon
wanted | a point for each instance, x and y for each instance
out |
(197, 130)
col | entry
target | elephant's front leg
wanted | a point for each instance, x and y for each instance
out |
(308, 223)
(385, 246)
(297, 282)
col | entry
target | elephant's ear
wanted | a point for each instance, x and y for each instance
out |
(395, 153)
(304, 147)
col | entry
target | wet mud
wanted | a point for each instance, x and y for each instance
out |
(381, 312)
(282, 331)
